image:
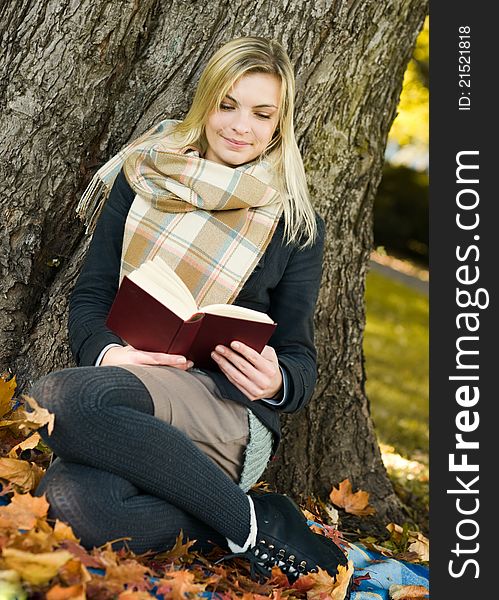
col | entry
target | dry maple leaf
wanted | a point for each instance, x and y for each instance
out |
(7, 388)
(355, 504)
(23, 474)
(73, 592)
(328, 587)
(131, 573)
(179, 550)
(408, 592)
(23, 511)
(37, 417)
(35, 568)
(176, 584)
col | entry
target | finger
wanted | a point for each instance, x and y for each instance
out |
(251, 355)
(248, 386)
(160, 358)
(251, 371)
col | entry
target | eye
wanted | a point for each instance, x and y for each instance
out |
(225, 106)
(262, 116)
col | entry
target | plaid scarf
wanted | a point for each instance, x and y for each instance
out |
(211, 223)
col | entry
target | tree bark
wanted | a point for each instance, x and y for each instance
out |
(80, 79)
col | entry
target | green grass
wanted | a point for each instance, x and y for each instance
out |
(396, 352)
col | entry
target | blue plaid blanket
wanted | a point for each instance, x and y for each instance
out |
(383, 572)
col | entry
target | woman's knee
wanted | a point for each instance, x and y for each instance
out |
(55, 390)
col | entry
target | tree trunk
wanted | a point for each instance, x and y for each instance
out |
(81, 79)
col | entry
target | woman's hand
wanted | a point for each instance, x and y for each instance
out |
(256, 375)
(128, 355)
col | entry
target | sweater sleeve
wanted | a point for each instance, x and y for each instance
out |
(98, 281)
(293, 303)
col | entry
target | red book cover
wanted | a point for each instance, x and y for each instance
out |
(147, 324)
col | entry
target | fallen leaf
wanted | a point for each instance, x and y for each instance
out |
(354, 503)
(28, 444)
(35, 568)
(420, 545)
(25, 475)
(176, 584)
(278, 578)
(73, 592)
(34, 540)
(178, 551)
(311, 517)
(23, 511)
(409, 543)
(62, 531)
(304, 583)
(79, 552)
(333, 514)
(407, 592)
(129, 572)
(329, 587)
(73, 573)
(129, 595)
(37, 417)
(7, 388)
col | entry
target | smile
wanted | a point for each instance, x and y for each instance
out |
(235, 143)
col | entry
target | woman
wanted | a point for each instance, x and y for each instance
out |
(147, 444)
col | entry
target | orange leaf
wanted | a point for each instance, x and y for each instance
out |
(73, 573)
(6, 392)
(355, 504)
(179, 550)
(26, 475)
(408, 592)
(129, 572)
(304, 583)
(62, 531)
(178, 583)
(328, 587)
(23, 511)
(74, 592)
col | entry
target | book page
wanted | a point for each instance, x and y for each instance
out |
(165, 286)
(237, 312)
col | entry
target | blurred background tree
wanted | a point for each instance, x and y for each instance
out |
(396, 334)
(401, 204)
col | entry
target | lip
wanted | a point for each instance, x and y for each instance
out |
(235, 143)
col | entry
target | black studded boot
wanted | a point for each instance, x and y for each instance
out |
(285, 539)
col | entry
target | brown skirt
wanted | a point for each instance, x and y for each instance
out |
(191, 401)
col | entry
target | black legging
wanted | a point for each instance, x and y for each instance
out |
(121, 472)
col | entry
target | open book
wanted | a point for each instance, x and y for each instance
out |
(155, 311)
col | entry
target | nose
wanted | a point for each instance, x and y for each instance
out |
(240, 124)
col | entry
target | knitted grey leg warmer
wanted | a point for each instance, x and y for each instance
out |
(103, 507)
(103, 419)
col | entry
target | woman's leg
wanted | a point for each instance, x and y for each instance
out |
(104, 419)
(102, 507)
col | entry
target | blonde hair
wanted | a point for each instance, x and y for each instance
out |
(233, 60)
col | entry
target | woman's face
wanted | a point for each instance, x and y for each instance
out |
(242, 127)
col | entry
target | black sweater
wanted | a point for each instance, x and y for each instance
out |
(284, 284)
